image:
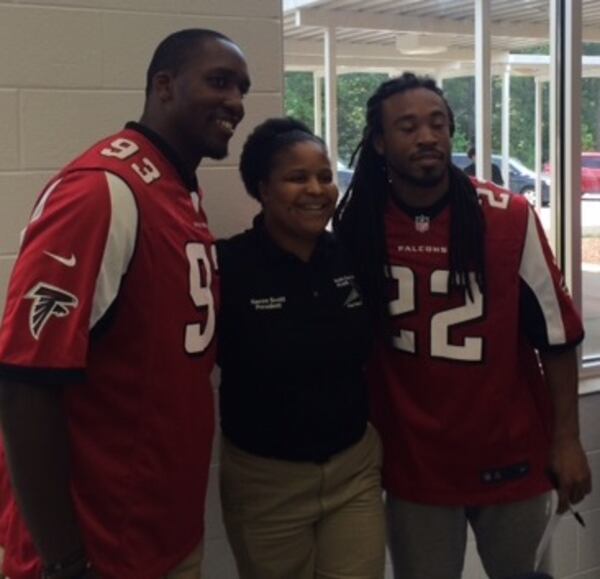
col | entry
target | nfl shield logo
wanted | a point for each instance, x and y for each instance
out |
(422, 223)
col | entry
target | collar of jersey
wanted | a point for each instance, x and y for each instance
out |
(431, 211)
(277, 254)
(188, 178)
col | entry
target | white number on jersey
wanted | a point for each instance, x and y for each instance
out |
(198, 338)
(499, 201)
(123, 149)
(442, 322)
(120, 148)
(403, 304)
(148, 171)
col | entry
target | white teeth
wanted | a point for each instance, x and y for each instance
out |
(313, 207)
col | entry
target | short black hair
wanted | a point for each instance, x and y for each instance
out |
(173, 51)
(266, 141)
(471, 152)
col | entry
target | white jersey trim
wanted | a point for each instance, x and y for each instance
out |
(39, 208)
(120, 244)
(534, 271)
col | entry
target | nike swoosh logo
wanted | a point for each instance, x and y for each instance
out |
(68, 261)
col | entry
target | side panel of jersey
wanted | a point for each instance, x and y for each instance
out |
(141, 421)
(457, 392)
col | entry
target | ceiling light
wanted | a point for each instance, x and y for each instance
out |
(419, 45)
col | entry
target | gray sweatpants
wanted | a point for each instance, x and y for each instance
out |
(429, 541)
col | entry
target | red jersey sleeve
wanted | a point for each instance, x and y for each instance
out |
(547, 310)
(74, 252)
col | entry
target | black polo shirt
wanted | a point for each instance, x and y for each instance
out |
(293, 341)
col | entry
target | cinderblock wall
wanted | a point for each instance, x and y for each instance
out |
(73, 71)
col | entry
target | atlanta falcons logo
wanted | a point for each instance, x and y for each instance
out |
(48, 301)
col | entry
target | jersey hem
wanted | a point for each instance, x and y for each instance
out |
(42, 376)
(475, 498)
(159, 570)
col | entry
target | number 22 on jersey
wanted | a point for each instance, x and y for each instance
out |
(442, 322)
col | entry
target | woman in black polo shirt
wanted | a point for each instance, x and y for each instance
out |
(300, 466)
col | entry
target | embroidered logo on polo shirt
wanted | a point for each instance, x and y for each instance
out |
(272, 303)
(354, 299)
(344, 281)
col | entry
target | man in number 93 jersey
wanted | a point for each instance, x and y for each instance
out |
(107, 342)
(474, 376)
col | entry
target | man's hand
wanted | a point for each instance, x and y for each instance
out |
(36, 442)
(568, 462)
(571, 472)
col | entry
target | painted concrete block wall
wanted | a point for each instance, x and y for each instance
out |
(574, 551)
(73, 71)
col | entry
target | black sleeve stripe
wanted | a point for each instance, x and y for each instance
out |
(534, 324)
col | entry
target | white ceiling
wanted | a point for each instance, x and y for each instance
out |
(367, 31)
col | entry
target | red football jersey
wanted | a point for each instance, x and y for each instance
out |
(458, 395)
(4, 497)
(114, 292)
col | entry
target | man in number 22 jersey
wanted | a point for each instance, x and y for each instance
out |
(107, 341)
(474, 378)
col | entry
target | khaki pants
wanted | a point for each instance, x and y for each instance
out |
(430, 540)
(304, 520)
(190, 567)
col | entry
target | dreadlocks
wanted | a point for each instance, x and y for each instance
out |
(359, 219)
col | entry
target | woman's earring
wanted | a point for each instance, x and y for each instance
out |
(388, 176)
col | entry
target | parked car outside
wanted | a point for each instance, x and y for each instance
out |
(521, 178)
(590, 172)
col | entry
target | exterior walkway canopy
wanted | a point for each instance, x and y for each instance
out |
(436, 37)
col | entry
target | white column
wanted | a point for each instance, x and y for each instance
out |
(483, 89)
(572, 148)
(318, 104)
(506, 127)
(538, 142)
(565, 139)
(556, 164)
(331, 136)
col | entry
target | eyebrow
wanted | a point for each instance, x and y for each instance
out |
(243, 83)
(411, 117)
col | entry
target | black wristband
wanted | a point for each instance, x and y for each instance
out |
(75, 566)
(81, 575)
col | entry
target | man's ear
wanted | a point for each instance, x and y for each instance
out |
(378, 144)
(162, 85)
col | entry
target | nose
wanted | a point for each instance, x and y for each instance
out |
(314, 186)
(426, 134)
(235, 103)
